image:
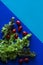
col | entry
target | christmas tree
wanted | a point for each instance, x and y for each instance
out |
(11, 45)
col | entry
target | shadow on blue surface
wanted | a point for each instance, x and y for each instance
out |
(35, 44)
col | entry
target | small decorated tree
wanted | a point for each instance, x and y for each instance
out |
(11, 45)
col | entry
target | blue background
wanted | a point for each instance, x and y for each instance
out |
(30, 12)
(36, 45)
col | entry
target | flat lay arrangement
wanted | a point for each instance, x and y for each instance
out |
(12, 46)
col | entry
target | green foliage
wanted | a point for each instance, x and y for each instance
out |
(10, 49)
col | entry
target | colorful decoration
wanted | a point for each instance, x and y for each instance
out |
(24, 33)
(11, 46)
(19, 28)
(18, 22)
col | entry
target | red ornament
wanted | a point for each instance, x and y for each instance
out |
(8, 36)
(14, 30)
(18, 22)
(25, 33)
(26, 59)
(19, 28)
(21, 60)
(16, 36)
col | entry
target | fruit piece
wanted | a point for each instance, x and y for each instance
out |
(21, 60)
(26, 59)
(14, 30)
(18, 23)
(19, 28)
(25, 33)
(16, 36)
(8, 36)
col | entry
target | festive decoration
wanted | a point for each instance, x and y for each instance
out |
(18, 23)
(21, 61)
(11, 46)
(19, 28)
(24, 33)
(26, 59)
(14, 30)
